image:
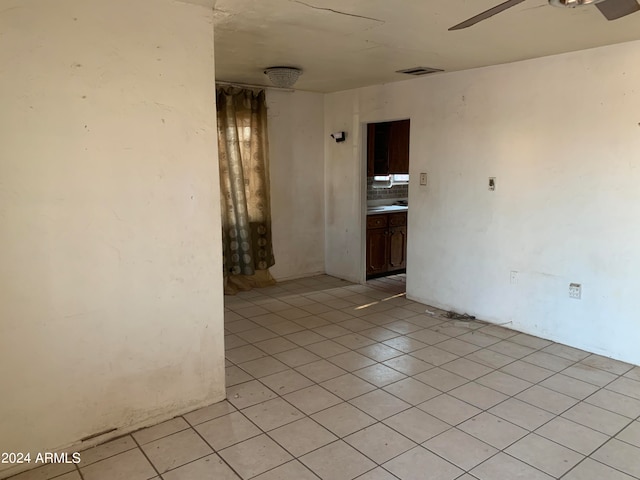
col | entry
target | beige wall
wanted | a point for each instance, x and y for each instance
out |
(561, 135)
(110, 279)
(296, 149)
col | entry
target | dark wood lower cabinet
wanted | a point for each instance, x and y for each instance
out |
(377, 250)
(386, 243)
(397, 248)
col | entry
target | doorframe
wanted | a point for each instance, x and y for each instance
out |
(363, 201)
(363, 191)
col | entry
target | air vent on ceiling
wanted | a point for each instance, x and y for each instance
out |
(419, 70)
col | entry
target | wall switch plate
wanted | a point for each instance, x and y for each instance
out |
(575, 291)
(513, 277)
(492, 184)
(423, 179)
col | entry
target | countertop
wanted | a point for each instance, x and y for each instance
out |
(386, 209)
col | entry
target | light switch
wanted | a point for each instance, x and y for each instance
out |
(423, 179)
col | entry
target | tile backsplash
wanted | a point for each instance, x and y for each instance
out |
(397, 191)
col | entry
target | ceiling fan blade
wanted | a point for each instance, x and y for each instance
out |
(614, 9)
(490, 13)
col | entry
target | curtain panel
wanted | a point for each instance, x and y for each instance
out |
(243, 150)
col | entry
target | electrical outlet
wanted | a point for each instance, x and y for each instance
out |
(492, 184)
(513, 278)
(575, 291)
(423, 179)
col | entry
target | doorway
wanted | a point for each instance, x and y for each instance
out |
(387, 200)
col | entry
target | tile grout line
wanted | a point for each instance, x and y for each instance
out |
(611, 437)
(455, 427)
(146, 456)
(574, 362)
(313, 288)
(215, 452)
(79, 471)
(400, 433)
(541, 349)
(342, 439)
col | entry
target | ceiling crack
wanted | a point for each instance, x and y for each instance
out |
(336, 11)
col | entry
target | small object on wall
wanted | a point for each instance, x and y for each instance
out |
(575, 291)
(423, 179)
(492, 184)
(339, 136)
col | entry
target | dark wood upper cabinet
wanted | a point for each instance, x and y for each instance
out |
(388, 148)
(371, 142)
(399, 147)
(378, 138)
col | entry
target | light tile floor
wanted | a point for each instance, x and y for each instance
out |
(337, 381)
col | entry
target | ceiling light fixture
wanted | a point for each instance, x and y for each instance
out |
(573, 3)
(283, 77)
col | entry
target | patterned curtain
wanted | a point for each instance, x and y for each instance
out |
(244, 182)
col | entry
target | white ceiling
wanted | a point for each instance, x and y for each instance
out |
(342, 44)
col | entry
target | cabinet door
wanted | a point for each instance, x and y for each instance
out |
(371, 144)
(377, 250)
(398, 219)
(397, 248)
(399, 147)
(377, 221)
(382, 137)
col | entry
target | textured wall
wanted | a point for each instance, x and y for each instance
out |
(561, 136)
(111, 309)
(296, 149)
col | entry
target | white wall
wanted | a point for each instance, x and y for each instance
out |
(345, 187)
(110, 282)
(296, 148)
(561, 134)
